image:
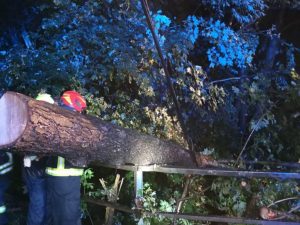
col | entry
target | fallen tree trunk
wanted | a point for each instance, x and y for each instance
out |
(30, 126)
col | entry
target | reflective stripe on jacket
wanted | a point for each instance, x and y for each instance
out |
(2, 209)
(7, 163)
(61, 171)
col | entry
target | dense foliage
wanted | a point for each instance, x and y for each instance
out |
(234, 76)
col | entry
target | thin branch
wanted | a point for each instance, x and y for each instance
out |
(224, 80)
(184, 193)
(282, 200)
(256, 125)
(294, 209)
(89, 215)
(248, 139)
(183, 196)
(289, 45)
(121, 183)
(288, 215)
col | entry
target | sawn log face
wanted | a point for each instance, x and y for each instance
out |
(51, 130)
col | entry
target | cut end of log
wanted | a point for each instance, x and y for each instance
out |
(13, 118)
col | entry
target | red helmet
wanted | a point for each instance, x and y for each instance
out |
(73, 100)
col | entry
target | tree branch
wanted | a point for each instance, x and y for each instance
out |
(282, 200)
(224, 80)
(248, 139)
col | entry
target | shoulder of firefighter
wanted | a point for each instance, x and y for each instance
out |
(6, 162)
(59, 166)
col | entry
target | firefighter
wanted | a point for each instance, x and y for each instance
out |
(63, 180)
(6, 165)
(35, 180)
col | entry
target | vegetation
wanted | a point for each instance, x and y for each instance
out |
(234, 73)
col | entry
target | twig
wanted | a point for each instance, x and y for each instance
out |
(89, 215)
(224, 80)
(287, 215)
(26, 38)
(294, 209)
(183, 197)
(121, 183)
(282, 200)
(248, 139)
(103, 184)
(109, 213)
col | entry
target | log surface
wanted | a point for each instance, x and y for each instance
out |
(30, 126)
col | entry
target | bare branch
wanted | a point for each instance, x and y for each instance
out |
(224, 80)
(282, 200)
(248, 139)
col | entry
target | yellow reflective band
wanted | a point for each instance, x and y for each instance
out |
(60, 162)
(64, 172)
(2, 209)
(45, 97)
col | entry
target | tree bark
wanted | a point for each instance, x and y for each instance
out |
(30, 126)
